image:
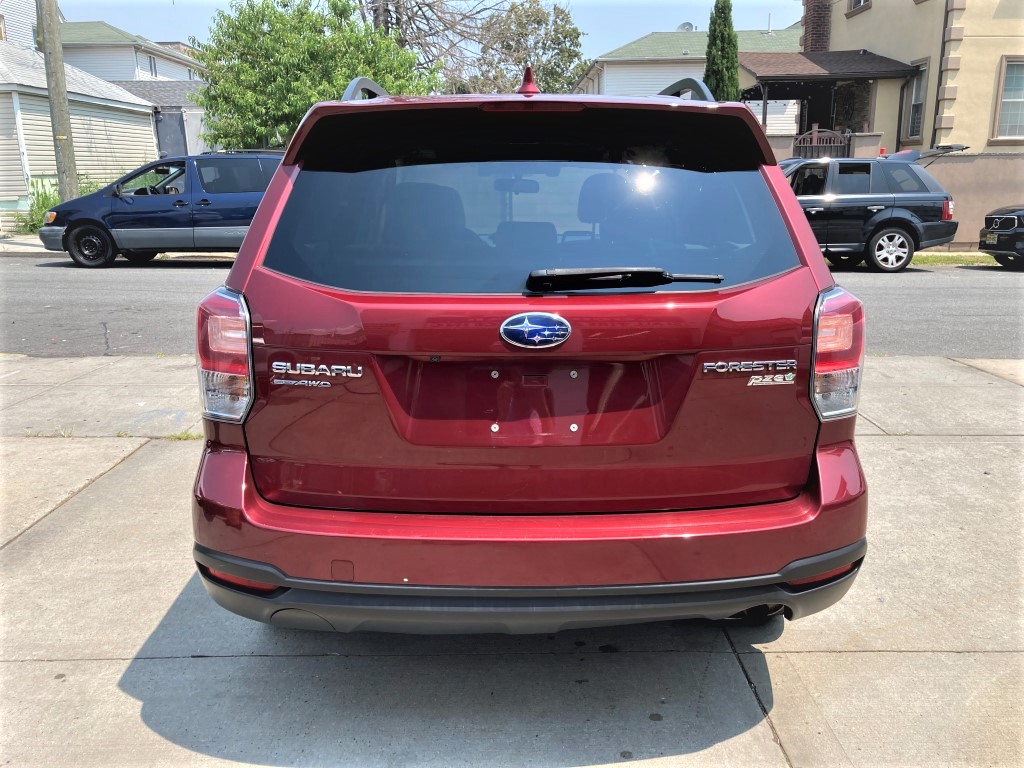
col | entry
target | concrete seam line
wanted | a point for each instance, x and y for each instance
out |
(757, 697)
(873, 423)
(962, 361)
(74, 495)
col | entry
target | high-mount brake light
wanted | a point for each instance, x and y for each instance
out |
(948, 206)
(222, 351)
(838, 354)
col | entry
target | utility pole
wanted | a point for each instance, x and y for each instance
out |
(57, 88)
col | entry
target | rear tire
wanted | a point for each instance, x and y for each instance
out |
(140, 257)
(890, 250)
(91, 246)
(1010, 262)
(845, 260)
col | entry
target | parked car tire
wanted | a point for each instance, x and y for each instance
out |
(1010, 262)
(91, 246)
(140, 257)
(848, 260)
(890, 250)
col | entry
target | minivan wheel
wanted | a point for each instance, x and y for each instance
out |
(848, 260)
(1010, 262)
(91, 246)
(140, 257)
(890, 250)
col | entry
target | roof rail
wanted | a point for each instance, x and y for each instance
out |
(363, 87)
(689, 84)
(243, 152)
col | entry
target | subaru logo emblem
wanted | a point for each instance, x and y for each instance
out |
(534, 330)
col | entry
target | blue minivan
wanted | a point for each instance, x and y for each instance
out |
(197, 203)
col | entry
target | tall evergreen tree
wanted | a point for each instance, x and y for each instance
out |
(722, 71)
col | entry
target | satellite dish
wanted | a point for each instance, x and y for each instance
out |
(686, 26)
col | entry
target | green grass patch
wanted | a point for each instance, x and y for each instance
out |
(184, 435)
(953, 258)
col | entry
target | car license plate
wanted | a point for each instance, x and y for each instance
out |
(991, 238)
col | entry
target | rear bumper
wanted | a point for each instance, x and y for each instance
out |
(52, 238)
(340, 566)
(341, 607)
(937, 233)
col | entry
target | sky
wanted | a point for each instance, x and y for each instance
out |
(606, 24)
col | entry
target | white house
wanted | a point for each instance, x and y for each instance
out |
(113, 54)
(112, 129)
(656, 61)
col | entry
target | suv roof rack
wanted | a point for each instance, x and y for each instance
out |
(363, 88)
(244, 152)
(689, 85)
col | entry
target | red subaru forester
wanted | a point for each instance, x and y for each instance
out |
(522, 363)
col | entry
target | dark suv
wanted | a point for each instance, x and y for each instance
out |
(541, 362)
(197, 203)
(881, 209)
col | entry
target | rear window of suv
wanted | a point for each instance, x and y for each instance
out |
(465, 201)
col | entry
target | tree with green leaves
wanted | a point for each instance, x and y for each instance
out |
(722, 71)
(528, 33)
(269, 61)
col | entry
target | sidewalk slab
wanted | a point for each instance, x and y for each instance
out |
(938, 396)
(41, 473)
(21, 370)
(104, 411)
(665, 709)
(1011, 370)
(943, 567)
(897, 709)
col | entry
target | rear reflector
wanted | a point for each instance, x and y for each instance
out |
(821, 576)
(238, 581)
(222, 351)
(838, 354)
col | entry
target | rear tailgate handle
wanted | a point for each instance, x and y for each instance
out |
(815, 210)
(204, 201)
(180, 203)
(876, 208)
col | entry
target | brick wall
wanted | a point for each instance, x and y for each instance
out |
(817, 25)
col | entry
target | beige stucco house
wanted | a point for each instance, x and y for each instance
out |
(968, 89)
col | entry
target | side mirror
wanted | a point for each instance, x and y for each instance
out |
(117, 190)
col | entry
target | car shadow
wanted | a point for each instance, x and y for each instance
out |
(229, 688)
(984, 267)
(198, 263)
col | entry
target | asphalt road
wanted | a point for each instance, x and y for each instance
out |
(49, 307)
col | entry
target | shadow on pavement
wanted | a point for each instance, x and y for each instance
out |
(986, 268)
(280, 697)
(168, 264)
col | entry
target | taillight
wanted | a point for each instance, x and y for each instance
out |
(238, 581)
(222, 351)
(947, 210)
(838, 353)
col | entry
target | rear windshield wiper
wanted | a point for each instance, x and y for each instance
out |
(545, 280)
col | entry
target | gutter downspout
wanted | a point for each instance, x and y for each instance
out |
(938, 80)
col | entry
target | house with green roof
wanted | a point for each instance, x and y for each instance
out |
(647, 66)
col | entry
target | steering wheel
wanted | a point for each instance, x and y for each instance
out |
(146, 191)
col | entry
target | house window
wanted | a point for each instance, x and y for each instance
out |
(915, 114)
(854, 4)
(152, 65)
(1010, 118)
(3, 28)
(191, 74)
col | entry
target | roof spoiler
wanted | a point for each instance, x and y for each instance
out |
(363, 88)
(689, 85)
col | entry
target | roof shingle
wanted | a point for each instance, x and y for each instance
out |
(823, 64)
(680, 45)
(20, 65)
(163, 93)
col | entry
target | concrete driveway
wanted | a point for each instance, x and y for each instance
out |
(113, 655)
